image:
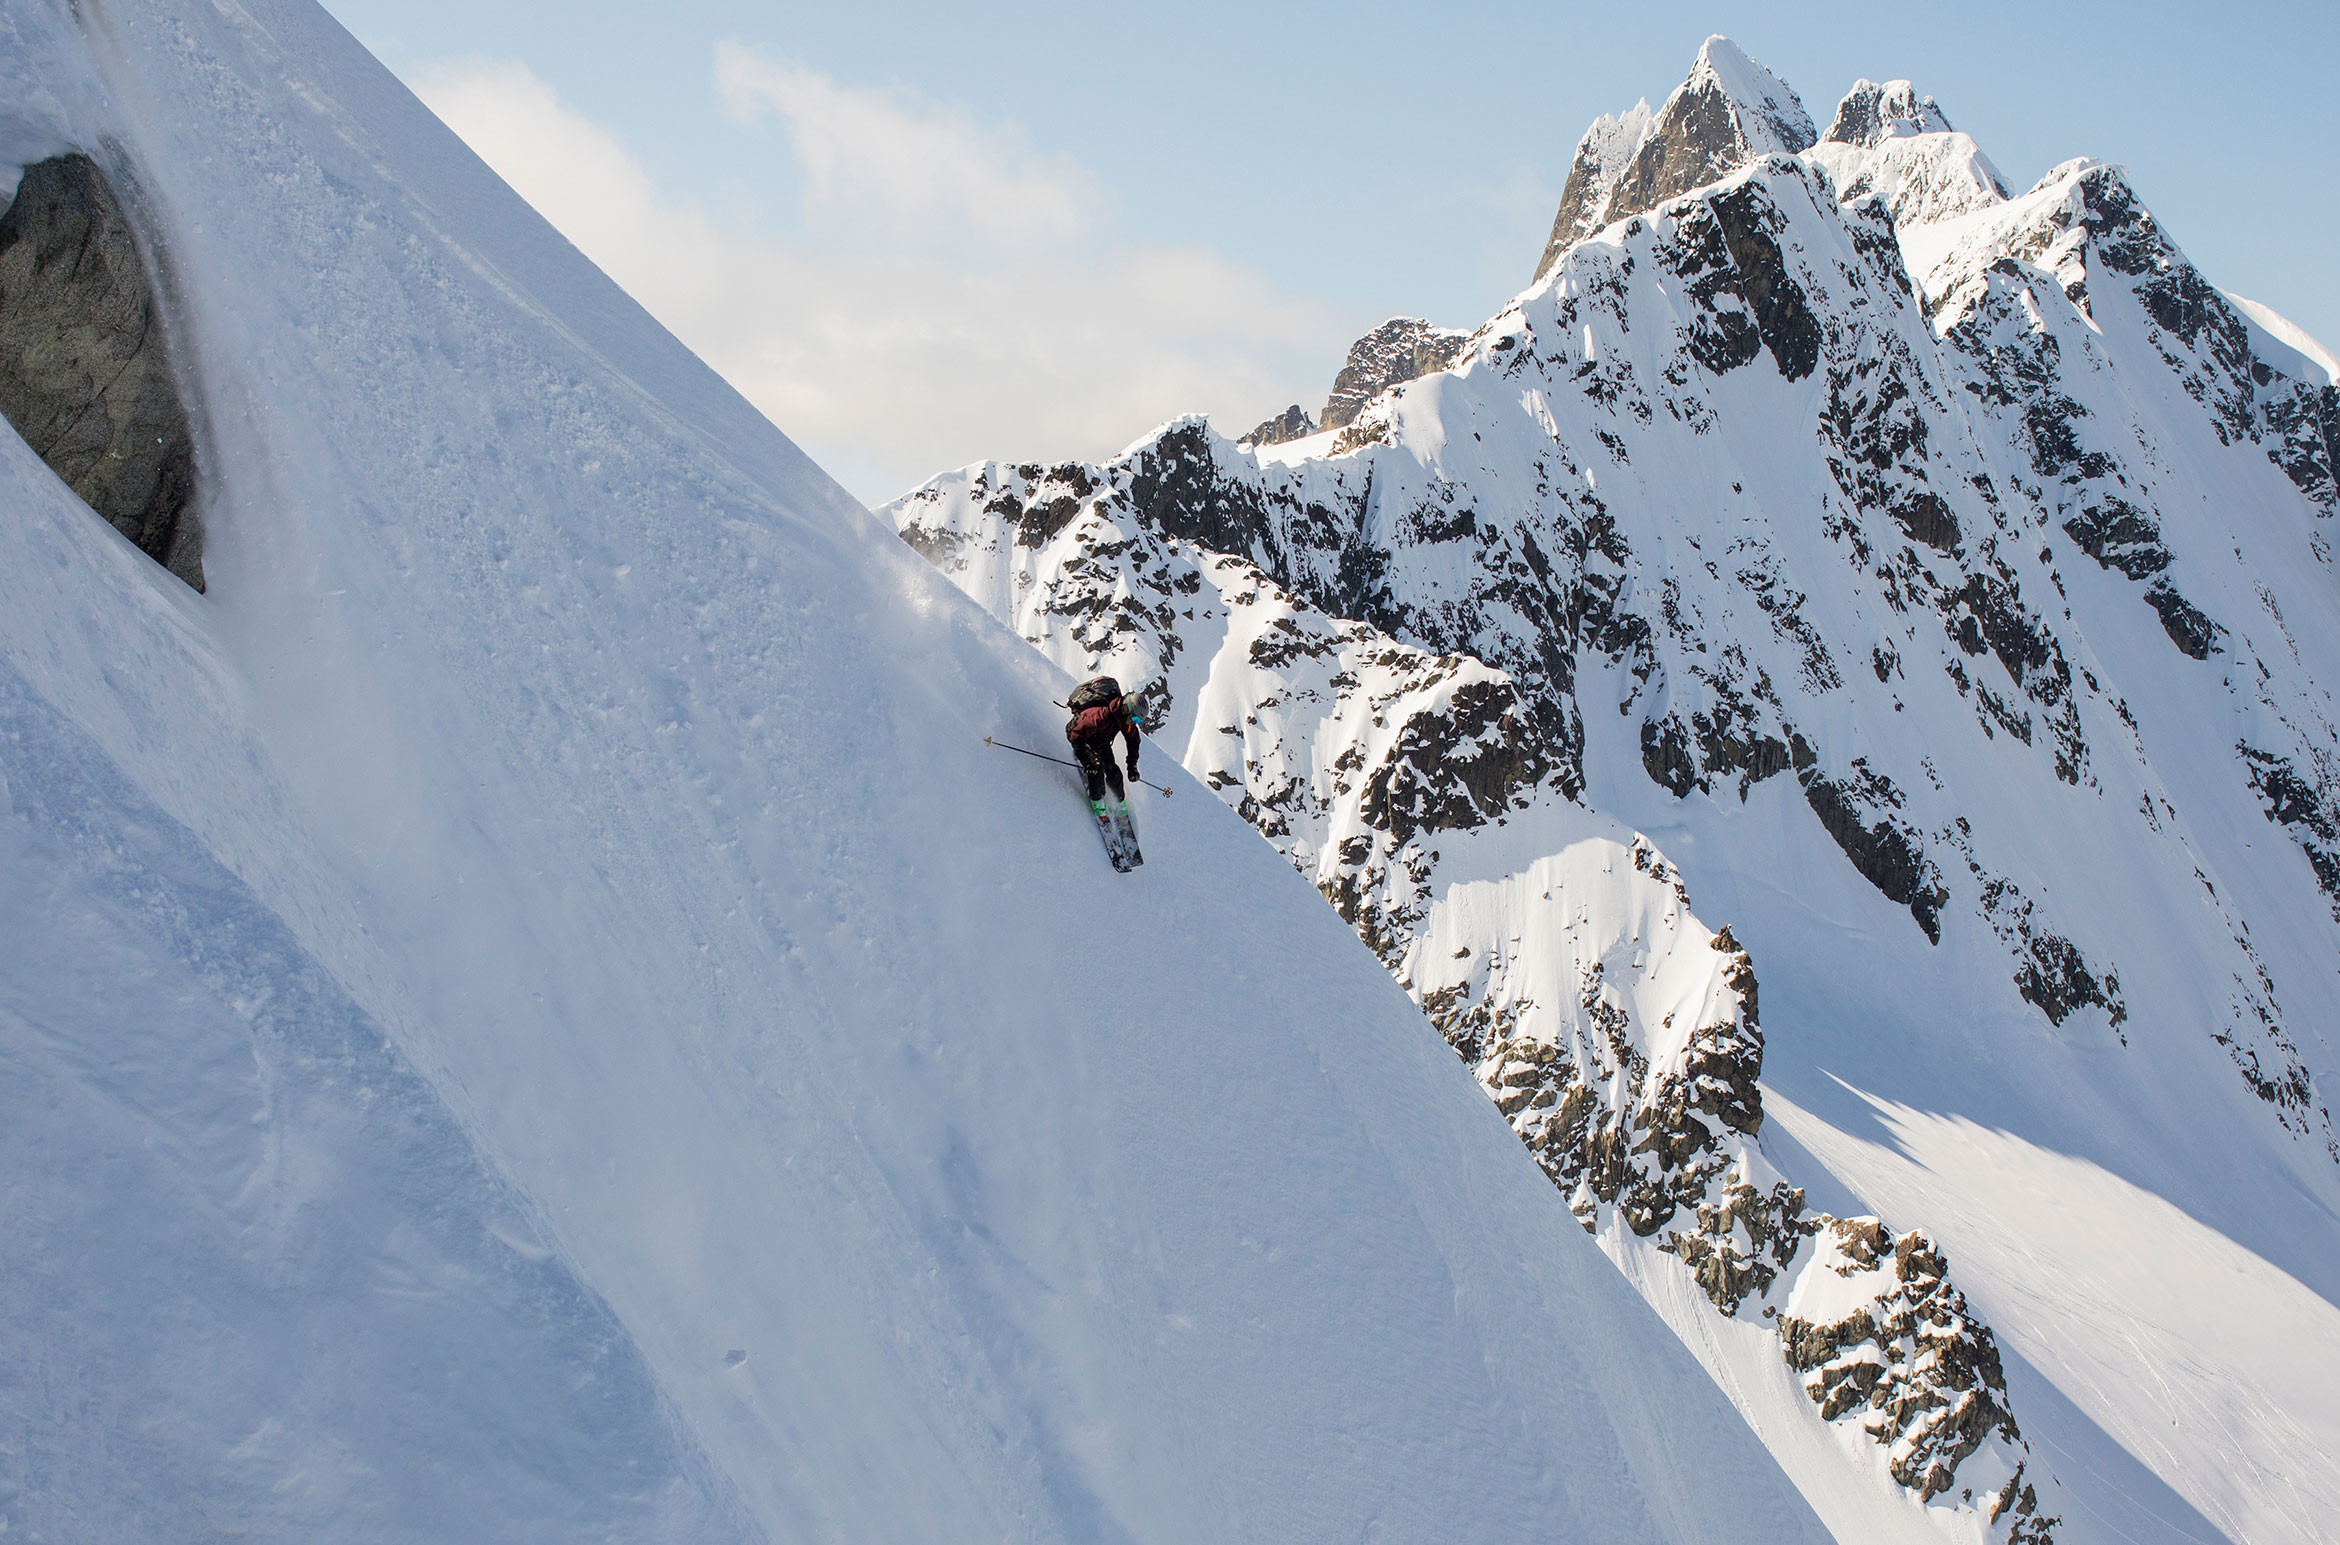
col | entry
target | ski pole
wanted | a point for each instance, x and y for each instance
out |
(1061, 762)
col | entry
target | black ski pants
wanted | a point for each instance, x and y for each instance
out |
(1096, 759)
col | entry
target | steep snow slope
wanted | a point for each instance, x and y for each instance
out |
(2277, 332)
(1937, 584)
(530, 1013)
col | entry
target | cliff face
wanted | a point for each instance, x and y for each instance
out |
(1942, 578)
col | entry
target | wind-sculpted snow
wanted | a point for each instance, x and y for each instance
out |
(1942, 577)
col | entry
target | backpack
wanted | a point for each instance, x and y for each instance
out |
(1096, 692)
(1095, 724)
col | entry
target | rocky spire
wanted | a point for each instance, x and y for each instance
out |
(1291, 424)
(1871, 113)
(1726, 113)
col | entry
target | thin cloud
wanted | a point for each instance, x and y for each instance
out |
(884, 164)
(891, 358)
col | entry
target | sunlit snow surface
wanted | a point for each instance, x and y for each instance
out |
(529, 1012)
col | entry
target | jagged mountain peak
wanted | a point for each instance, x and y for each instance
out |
(1890, 142)
(1769, 113)
(1728, 110)
(1871, 113)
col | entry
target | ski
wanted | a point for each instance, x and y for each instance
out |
(1110, 830)
(1127, 830)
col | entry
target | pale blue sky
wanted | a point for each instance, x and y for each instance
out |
(1318, 166)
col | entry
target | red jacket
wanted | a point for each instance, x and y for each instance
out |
(1102, 724)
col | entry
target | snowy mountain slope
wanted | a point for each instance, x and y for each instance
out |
(530, 1012)
(2275, 332)
(1938, 581)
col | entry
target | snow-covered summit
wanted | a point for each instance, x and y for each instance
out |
(1726, 112)
(1770, 117)
(1890, 143)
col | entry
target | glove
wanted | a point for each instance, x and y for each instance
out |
(1133, 777)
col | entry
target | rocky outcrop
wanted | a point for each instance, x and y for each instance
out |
(1898, 1350)
(1401, 349)
(1870, 113)
(85, 363)
(1291, 424)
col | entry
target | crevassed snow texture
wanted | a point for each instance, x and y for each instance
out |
(530, 1011)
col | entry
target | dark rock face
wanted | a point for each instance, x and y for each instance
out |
(1888, 854)
(1703, 132)
(1696, 141)
(1747, 219)
(85, 372)
(1870, 112)
(1399, 350)
(1291, 424)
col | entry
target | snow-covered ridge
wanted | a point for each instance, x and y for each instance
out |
(2280, 332)
(1940, 579)
(1891, 143)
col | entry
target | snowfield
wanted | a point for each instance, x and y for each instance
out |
(529, 1012)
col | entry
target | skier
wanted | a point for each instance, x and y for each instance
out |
(1099, 712)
